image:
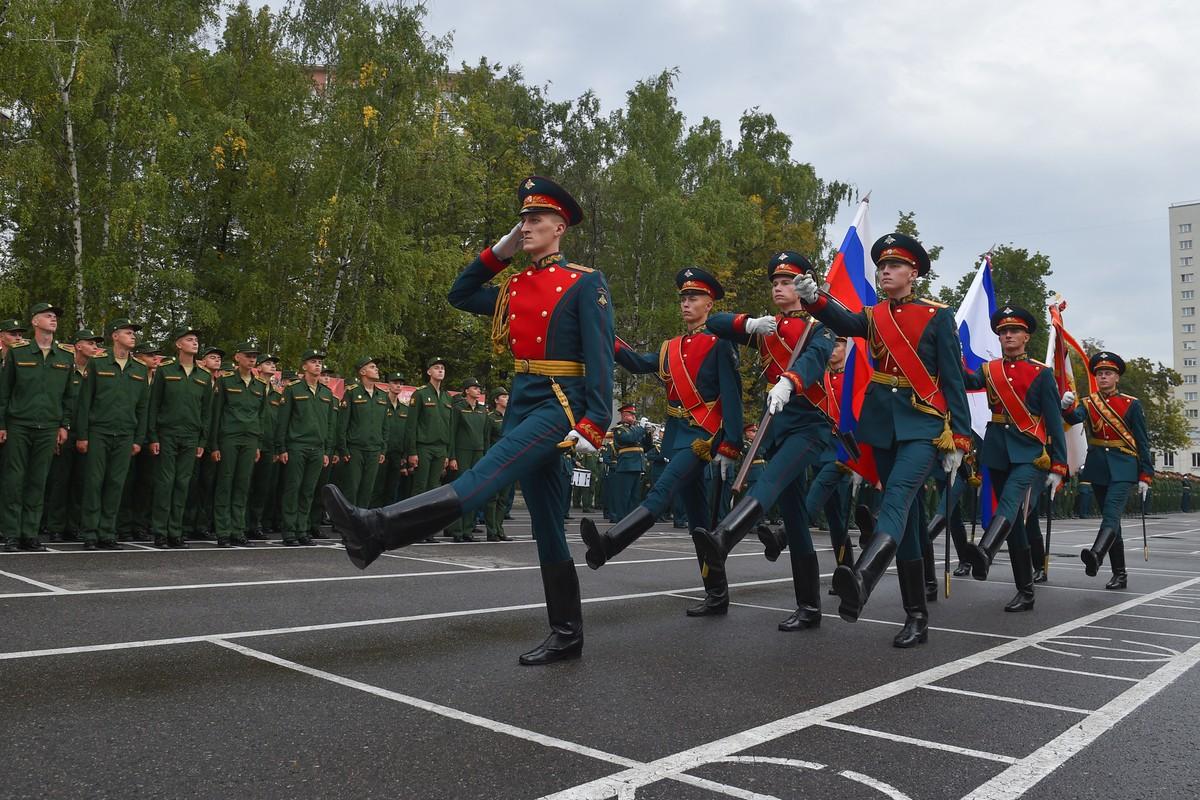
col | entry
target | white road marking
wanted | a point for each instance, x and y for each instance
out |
(1067, 671)
(1006, 699)
(1151, 633)
(49, 587)
(879, 786)
(926, 743)
(607, 787)
(1162, 619)
(436, 561)
(1026, 773)
(1170, 605)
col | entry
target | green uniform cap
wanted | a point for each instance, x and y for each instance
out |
(263, 358)
(471, 382)
(435, 360)
(500, 390)
(362, 362)
(147, 349)
(120, 323)
(208, 351)
(246, 347)
(38, 308)
(227, 366)
(88, 335)
(179, 333)
(311, 354)
(395, 377)
(13, 326)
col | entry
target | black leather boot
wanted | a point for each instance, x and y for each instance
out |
(774, 541)
(981, 554)
(716, 587)
(930, 566)
(854, 584)
(1022, 567)
(865, 520)
(367, 532)
(716, 546)
(561, 584)
(603, 546)
(1093, 557)
(1037, 553)
(806, 580)
(912, 593)
(1116, 559)
(935, 526)
(844, 556)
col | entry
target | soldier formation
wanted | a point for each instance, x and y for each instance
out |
(176, 442)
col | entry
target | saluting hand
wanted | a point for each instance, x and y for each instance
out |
(509, 244)
(806, 287)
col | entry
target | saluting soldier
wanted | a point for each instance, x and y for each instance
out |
(395, 464)
(556, 319)
(498, 507)
(427, 439)
(630, 461)
(1026, 423)
(137, 498)
(111, 422)
(61, 512)
(177, 430)
(35, 417)
(306, 436)
(1118, 456)
(263, 498)
(235, 442)
(364, 421)
(468, 440)
(198, 517)
(915, 417)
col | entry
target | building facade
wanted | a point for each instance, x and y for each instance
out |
(1184, 219)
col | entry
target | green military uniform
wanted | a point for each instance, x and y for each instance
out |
(178, 420)
(330, 472)
(137, 498)
(198, 514)
(15, 327)
(364, 434)
(35, 386)
(585, 496)
(391, 474)
(239, 408)
(428, 434)
(498, 507)
(306, 433)
(468, 440)
(61, 511)
(112, 418)
(262, 501)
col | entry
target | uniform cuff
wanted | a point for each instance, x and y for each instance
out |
(1147, 479)
(729, 450)
(797, 384)
(1059, 469)
(817, 305)
(739, 323)
(590, 431)
(962, 442)
(492, 261)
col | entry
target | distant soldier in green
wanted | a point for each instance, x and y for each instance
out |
(305, 434)
(177, 430)
(427, 440)
(626, 477)
(395, 464)
(137, 498)
(337, 456)
(35, 390)
(585, 495)
(111, 421)
(364, 417)
(468, 440)
(60, 515)
(262, 502)
(498, 507)
(12, 334)
(198, 514)
(235, 442)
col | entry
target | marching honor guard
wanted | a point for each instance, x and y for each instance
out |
(1118, 456)
(914, 416)
(831, 487)
(704, 423)
(556, 319)
(1026, 421)
(798, 437)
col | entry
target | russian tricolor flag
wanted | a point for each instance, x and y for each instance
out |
(852, 282)
(979, 345)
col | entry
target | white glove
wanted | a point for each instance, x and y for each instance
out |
(762, 325)
(806, 287)
(1053, 481)
(645, 422)
(725, 464)
(951, 462)
(855, 481)
(1068, 400)
(1143, 489)
(779, 396)
(580, 444)
(509, 244)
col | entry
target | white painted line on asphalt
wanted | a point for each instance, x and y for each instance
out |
(877, 785)
(437, 561)
(1163, 619)
(884, 788)
(49, 587)
(495, 726)
(1152, 633)
(607, 787)
(1168, 605)
(1022, 776)
(1067, 671)
(1006, 699)
(926, 743)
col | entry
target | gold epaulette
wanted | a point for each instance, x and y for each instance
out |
(101, 354)
(932, 302)
(262, 380)
(294, 382)
(1039, 363)
(351, 387)
(203, 368)
(18, 343)
(166, 362)
(70, 348)
(580, 268)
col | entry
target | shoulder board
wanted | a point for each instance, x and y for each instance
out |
(70, 348)
(1035, 362)
(260, 380)
(1127, 396)
(929, 302)
(166, 362)
(203, 368)
(293, 383)
(580, 268)
(18, 343)
(351, 387)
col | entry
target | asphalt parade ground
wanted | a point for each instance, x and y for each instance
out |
(285, 672)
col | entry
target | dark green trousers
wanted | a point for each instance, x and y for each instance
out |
(466, 460)
(263, 500)
(428, 474)
(137, 497)
(198, 518)
(28, 454)
(356, 477)
(301, 474)
(106, 465)
(61, 512)
(497, 508)
(234, 472)
(173, 469)
(387, 480)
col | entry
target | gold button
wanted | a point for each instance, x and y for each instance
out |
(514, 341)
(898, 310)
(544, 313)
(539, 339)
(687, 340)
(574, 275)
(558, 288)
(552, 269)
(512, 316)
(513, 293)
(894, 389)
(515, 279)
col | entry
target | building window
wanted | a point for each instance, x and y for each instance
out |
(1168, 460)
(1185, 244)
(1195, 460)
(1189, 362)
(1189, 378)
(1187, 294)
(1185, 261)
(1191, 413)
(1191, 397)
(1188, 311)
(1185, 227)
(1187, 277)
(1189, 327)
(1189, 345)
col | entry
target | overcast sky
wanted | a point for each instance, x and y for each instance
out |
(1064, 127)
